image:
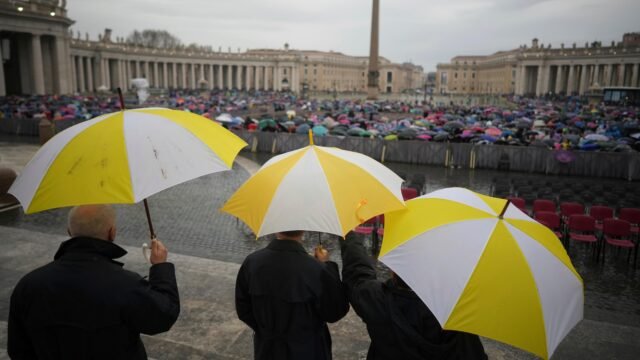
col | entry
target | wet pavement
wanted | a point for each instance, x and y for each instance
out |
(187, 219)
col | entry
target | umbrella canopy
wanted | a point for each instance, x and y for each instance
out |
(224, 118)
(316, 189)
(124, 157)
(483, 266)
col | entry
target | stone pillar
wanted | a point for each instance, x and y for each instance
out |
(165, 76)
(596, 75)
(212, 83)
(571, 82)
(520, 85)
(183, 73)
(107, 74)
(81, 80)
(219, 82)
(277, 78)
(229, 78)
(90, 87)
(607, 75)
(156, 78)
(74, 75)
(256, 78)
(247, 77)
(265, 76)
(174, 75)
(62, 69)
(583, 79)
(3, 89)
(559, 79)
(540, 80)
(621, 70)
(239, 77)
(295, 79)
(36, 63)
(634, 76)
(192, 76)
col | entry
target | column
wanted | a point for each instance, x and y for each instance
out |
(36, 62)
(607, 75)
(520, 80)
(634, 76)
(212, 83)
(596, 75)
(174, 75)
(265, 79)
(256, 81)
(247, 78)
(239, 77)
(583, 79)
(219, 82)
(559, 79)
(165, 76)
(192, 76)
(570, 83)
(89, 74)
(277, 82)
(74, 75)
(107, 73)
(621, 69)
(540, 80)
(184, 75)
(156, 78)
(3, 89)
(295, 81)
(62, 68)
(229, 78)
(81, 81)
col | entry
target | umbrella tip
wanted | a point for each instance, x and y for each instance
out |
(310, 137)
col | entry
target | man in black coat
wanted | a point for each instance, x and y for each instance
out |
(399, 324)
(84, 305)
(287, 297)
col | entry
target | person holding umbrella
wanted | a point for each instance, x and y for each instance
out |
(84, 305)
(399, 324)
(287, 297)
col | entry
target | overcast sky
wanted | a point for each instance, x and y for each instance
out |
(426, 32)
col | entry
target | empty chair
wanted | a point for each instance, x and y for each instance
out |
(543, 205)
(632, 215)
(409, 193)
(616, 232)
(582, 228)
(518, 202)
(550, 220)
(570, 208)
(599, 213)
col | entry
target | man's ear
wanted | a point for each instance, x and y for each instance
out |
(112, 233)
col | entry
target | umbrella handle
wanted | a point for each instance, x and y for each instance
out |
(310, 137)
(360, 205)
(146, 210)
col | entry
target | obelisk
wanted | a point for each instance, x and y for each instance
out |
(374, 74)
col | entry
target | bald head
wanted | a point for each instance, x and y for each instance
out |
(96, 221)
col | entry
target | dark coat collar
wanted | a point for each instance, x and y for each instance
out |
(90, 246)
(286, 245)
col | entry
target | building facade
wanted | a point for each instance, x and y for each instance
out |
(539, 70)
(41, 56)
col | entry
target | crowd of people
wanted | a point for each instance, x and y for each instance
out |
(568, 123)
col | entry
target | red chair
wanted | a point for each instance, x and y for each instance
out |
(616, 233)
(550, 220)
(631, 215)
(571, 208)
(409, 193)
(543, 205)
(600, 212)
(582, 228)
(519, 203)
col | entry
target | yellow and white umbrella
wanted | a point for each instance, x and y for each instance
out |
(316, 189)
(482, 266)
(124, 157)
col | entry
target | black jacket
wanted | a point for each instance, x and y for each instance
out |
(287, 297)
(84, 305)
(399, 323)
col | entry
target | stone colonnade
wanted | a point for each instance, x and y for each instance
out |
(90, 72)
(574, 78)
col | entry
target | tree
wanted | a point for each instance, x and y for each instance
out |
(161, 39)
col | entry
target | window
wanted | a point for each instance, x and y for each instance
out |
(315, 71)
(285, 71)
(473, 75)
(389, 77)
(455, 76)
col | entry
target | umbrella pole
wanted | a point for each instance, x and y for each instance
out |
(504, 210)
(146, 209)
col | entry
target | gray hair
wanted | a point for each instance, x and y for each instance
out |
(91, 221)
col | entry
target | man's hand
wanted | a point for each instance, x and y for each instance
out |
(321, 254)
(158, 252)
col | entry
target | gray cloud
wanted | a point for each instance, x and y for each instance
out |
(424, 31)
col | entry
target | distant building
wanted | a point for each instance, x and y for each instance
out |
(539, 70)
(40, 56)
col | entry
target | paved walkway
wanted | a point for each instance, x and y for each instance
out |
(207, 257)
